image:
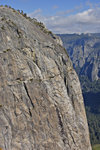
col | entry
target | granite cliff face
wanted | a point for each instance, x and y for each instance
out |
(41, 104)
(84, 51)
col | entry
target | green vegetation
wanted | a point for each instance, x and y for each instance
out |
(96, 147)
(88, 86)
(91, 94)
(42, 27)
(19, 11)
(94, 126)
(39, 24)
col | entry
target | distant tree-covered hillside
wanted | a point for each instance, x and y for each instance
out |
(84, 51)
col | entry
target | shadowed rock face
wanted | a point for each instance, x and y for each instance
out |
(41, 104)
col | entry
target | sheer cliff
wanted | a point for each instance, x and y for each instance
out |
(41, 104)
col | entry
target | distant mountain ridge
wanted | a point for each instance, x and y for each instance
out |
(84, 51)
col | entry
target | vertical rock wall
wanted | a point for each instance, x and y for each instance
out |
(41, 104)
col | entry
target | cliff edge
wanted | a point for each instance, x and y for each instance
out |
(41, 103)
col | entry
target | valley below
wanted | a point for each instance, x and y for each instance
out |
(84, 51)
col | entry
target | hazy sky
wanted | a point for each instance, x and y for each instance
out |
(62, 16)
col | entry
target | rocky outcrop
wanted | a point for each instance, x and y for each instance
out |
(41, 104)
(84, 51)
